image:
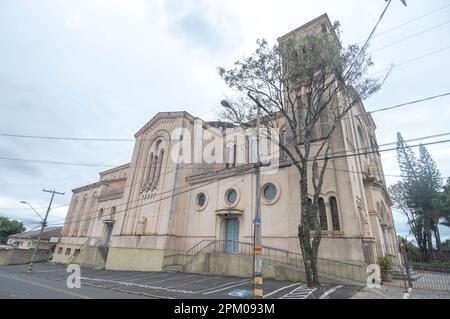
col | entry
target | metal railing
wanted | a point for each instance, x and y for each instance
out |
(419, 268)
(330, 269)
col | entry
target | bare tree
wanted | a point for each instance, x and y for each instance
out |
(308, 86)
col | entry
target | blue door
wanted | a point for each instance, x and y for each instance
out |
(232, 235)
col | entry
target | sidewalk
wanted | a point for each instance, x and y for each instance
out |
(399, 293)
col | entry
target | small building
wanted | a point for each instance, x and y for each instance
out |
(28, 239)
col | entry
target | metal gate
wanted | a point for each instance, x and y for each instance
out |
(416, 267)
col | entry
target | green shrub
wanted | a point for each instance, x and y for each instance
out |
(385, 262)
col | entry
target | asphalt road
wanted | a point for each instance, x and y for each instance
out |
(22, 286)
(49, 281)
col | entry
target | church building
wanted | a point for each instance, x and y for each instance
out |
(170, 201)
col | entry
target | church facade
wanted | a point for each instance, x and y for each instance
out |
(177, 192)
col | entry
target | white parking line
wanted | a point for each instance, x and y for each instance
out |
(226, 284)
(167, 279)
(194, 281)
(145, 277)
(301, 292)
(50, 270)
(282, 288)
(139, 285)
(243, 283)
(329, 291)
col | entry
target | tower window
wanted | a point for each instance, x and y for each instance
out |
(323, 215)
(334, 213)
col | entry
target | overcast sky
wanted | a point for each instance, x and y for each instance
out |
(103, 68)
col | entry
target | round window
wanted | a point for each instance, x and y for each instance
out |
(270, 191)
(231, 196)
(201, 200)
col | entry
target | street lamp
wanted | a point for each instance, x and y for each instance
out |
(44, 223)
(24, 202)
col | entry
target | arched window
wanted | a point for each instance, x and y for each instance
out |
(312, 224)
(323, 215)
(70, 221)
(234, 152)
(302, 105)
(247, 148)
(149, 168)
(87, 218)
(153, 170)
(324, 125)
(362, 140)
(158, 169)
(230, 152)
(334, 213)
(283, 142)
(80, 217)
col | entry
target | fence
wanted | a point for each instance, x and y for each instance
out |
(416, 267)
(330, 269)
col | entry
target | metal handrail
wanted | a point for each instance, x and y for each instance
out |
(330, 268)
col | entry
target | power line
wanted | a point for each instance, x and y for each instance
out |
(410, 36)
(189, 189)
(111, 166)
(69, 138)
(409, 21)
(408, 103)
(395, 65)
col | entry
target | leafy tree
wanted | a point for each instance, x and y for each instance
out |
(445, 200)
(9, 227)
(419, 194)
(304, 85)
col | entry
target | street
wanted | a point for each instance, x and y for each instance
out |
(22, 286)
(48, 281)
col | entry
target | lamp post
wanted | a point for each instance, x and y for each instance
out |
(44, 223)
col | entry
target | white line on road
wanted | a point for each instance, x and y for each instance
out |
(282, 288)
(229, 283)
(301, 292)
(195, 281)
(49, 287)
(168, 279)
(243, 283)
(329, 291)
(139, 285)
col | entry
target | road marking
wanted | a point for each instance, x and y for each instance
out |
(226, 284)
(301, 292)
(282, 288)
(49, 270)
(329, 291)
(194, 281)
(243, 283)
(167, 279)
(138, 285)
(49, 287)
(140, 277)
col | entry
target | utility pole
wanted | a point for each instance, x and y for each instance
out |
(257, 281)
(257, 287)
(44, 223)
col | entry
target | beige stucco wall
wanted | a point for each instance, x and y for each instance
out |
(135, 259)
(21, 256)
